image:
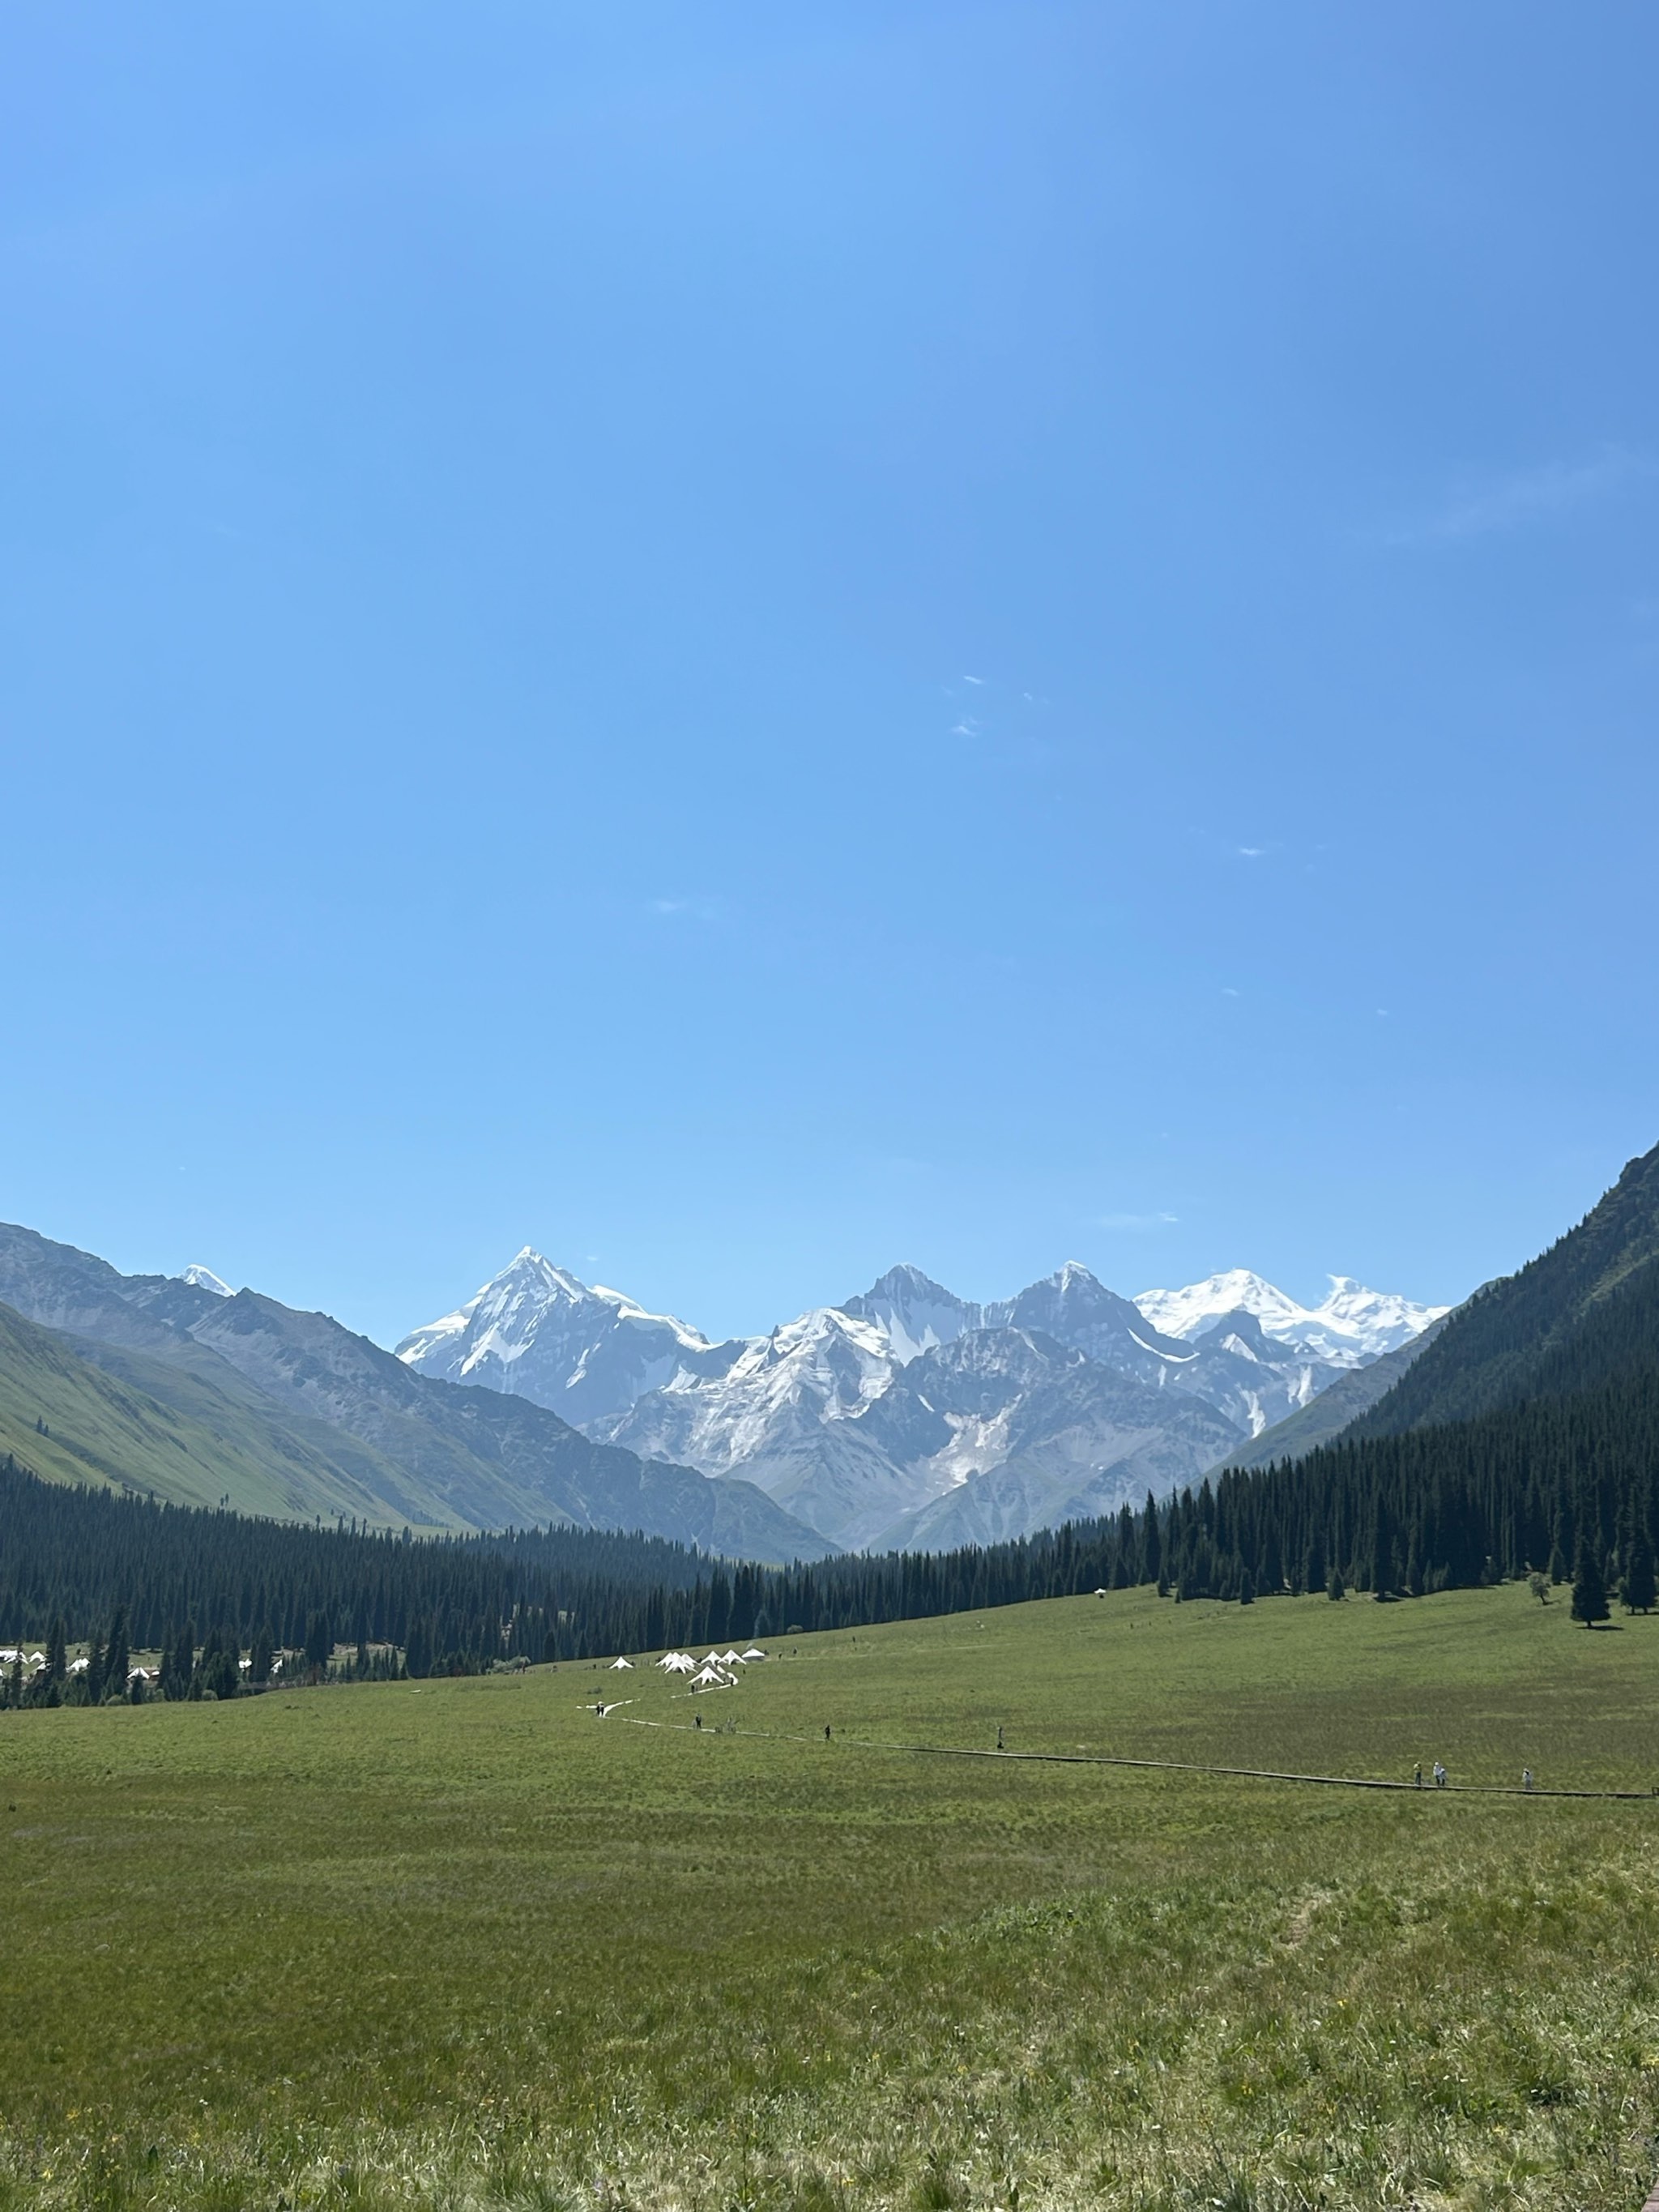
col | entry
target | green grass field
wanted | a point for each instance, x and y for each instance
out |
(457, 1944)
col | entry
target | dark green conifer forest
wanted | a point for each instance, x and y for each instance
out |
(1526, 1437)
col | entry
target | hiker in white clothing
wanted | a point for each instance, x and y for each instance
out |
(1439, 1775)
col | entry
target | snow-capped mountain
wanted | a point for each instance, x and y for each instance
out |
(1006, 1429)
(1352, 1327)
(535, 1331)
(203, 1278)
(825, 1366)
(909, 1415)
(916, 1312)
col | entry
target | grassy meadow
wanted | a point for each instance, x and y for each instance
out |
(460, 1944)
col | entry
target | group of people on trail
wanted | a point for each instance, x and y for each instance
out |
(1441, 1777)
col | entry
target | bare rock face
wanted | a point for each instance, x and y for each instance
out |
(909, 1416)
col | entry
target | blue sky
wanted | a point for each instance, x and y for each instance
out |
(747, 641)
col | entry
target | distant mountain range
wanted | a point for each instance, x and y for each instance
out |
(178, 1387)
(907, 1417)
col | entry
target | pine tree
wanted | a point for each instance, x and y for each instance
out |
(1589, 1587)
(1637, 1589)
(56, 1652)
(1335, 1590)
(118, 1662)
(1385, 1557)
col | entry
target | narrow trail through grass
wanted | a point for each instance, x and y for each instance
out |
(457, 1947)
(1174, 1766)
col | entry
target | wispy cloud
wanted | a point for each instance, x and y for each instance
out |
(978, 680)
(1137, 1220)
(1251, 852)
(693, 910)
(967, 727)
(1509, 503)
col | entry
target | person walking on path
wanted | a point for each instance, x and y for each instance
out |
(826, 1731)
(1526, 1780)
(1439, 1775)
(697, 1720)
(1417, 1775)
(999, 1735)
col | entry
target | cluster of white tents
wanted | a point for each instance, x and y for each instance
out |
(717, 1671)
(32, 1662)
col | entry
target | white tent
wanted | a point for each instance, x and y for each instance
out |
(617, 1665)
(752, 1654)
(677, 1663)
(729, 1659)
(711, 1678)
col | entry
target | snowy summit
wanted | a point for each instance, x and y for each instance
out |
(909, 1416)
(1352, 1327)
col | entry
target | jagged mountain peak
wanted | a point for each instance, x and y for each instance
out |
(915, 1312)
(536, 1330)
(203, 1278)
(1351, 1325)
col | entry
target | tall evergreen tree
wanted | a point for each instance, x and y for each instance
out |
(1637, 1587)
(1589, 1587)
(117, 1662)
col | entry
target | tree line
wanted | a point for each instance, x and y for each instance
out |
(1561, 1488)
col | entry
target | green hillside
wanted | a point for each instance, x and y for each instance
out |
(190, 1432)
(333, 1423)
(1582, 1313)
(1333, 1410)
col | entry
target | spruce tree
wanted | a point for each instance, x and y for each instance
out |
(1385, 1555)
(1637, 1589)
(1151, 1544)
(1589, 1586)
(56, 1653)
(1335, 1590)
(117, 1662)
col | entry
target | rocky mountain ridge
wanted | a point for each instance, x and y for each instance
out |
(908, 1415)
(322, 1419)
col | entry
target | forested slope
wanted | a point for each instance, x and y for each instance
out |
(1568, 1320)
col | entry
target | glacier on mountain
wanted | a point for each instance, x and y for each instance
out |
(1351, 1327)
(537, 1331)
(909, 1416)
